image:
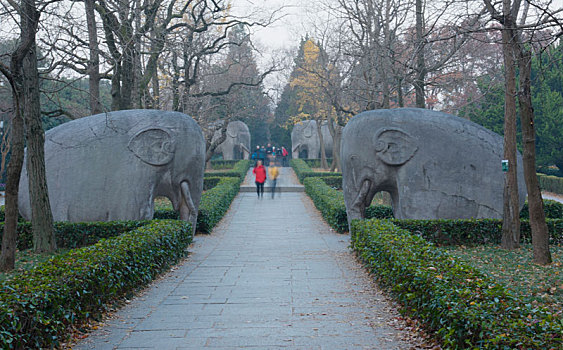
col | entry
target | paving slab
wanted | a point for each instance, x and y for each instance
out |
(271, 275)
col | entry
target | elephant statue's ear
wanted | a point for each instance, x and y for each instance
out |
(394, 146)
(231, 132)
(153, 146)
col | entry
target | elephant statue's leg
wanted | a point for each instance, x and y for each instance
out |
(188, 211)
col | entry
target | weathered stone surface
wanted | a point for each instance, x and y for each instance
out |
(237, 143)
(434, 165)
(112, 166)
(305, 137)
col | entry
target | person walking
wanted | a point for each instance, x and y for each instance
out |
(285, 153)
(273, 172)
(262, 154)
(260, 177)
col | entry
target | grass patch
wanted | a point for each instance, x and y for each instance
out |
(27, 259)
(532, 283)
(161, 203)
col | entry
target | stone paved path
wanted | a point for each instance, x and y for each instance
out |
(271, 275)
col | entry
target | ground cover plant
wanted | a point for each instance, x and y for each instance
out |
(37, 306)
(27, 259)
(533, 284)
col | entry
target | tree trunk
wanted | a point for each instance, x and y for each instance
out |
(420, 62)
(29, 21)
(127, 79)
(511, 218)
(336, 144)
(42, 218)
(540, 233)
(324, 163)
(400, 99)
(10, 236)
(94, 63)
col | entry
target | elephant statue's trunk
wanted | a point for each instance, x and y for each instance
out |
(357, 209)
(188, 211)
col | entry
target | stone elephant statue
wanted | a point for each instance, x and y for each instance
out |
(305, 142)
(434, 165)
(237, 143)
(112, 166)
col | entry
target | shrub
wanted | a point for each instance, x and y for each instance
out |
(316, 163)
(239, 169)
(38, 306)
(463, 307)
(303, 170)
(73, 235)
(210, 182)
(471, 232)
(223, 164)
(553, 210)
(330, 203)
(551, 183)
(215, 203)
(334, 182)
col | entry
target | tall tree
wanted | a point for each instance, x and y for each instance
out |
(24, 79)
(519, 54)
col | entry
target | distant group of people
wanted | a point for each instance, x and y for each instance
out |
(270, 154)
(267, 157)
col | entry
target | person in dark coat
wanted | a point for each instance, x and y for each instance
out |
(260, 177)
(262, 154)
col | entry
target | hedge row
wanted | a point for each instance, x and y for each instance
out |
(303, 170)
(38, 306)
(316, 163)
(552, 209)
(223, 164)
(551, 183)
(463, 307)
(210, 182)
(471, 232)
(240, 168)
(213, 205)
(330, 203)
(74, 235)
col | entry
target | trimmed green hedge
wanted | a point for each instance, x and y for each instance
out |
(552, 209)
(73, 235)
(213, 205)
(471, 232)
(551, 183)
(239, 169)
(316, 163)
(210, 182)
(463, 307)
(330, 203)
(335, 182)
(38, 306)
(303, 170)
(223, 164)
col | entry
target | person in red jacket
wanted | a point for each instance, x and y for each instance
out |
(260, 177)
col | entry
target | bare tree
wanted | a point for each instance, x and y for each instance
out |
(518, 36)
